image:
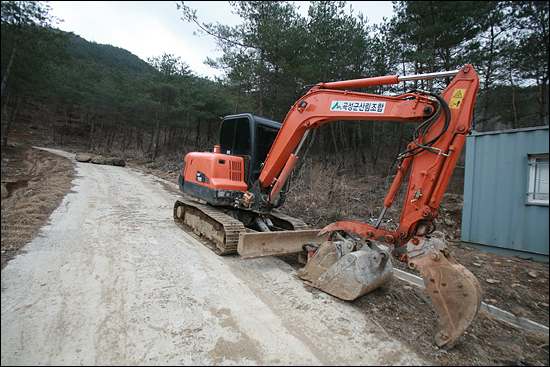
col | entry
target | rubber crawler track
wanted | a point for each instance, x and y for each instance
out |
(221, 222)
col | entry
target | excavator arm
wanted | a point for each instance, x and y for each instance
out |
(320, 106)
(443, 121)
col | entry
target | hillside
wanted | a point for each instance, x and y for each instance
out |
(107, 55)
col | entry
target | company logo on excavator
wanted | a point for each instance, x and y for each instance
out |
(367, 107)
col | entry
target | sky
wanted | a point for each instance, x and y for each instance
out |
(152, 28)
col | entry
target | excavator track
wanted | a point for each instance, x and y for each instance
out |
(217, 230)
(296, 224)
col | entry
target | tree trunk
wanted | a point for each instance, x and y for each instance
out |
(112, 136)
(129, 137)
(209, 128)
(515, 123)
(541, 99)
(275, 92)
(170, 143)
(197, 139)
(184, 138)
(100, 134)
(361, 145)
(323, 140)
(164, 140)
(345, 142)
(334, 139)
(109, 134)
(488, 73)
(91, 146)
(156, 140)
(261, 83)
(354, 146)
(375, 145)
(7, 129)
(12, 59)
(139, 144)
(123, 143)
(152, 139)
(237, 102)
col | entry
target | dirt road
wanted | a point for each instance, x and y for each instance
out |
(113, 281)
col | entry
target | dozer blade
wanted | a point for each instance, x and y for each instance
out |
(341, 270)
(455, 292)
(262, 244)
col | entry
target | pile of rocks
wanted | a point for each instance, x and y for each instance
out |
(85, 157)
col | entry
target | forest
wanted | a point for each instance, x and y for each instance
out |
(114, 100)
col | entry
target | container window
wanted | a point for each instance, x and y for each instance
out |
(537, 192)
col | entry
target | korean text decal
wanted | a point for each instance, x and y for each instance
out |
(352, 106)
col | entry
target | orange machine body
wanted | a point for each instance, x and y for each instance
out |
(216, 171)
(225, 174)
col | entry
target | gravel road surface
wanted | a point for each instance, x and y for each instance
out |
(111, 280)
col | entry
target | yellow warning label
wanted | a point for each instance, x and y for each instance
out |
(457, 97)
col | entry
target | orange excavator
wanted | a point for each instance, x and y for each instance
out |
(235, 191)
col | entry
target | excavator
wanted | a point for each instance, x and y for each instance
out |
(234, 191)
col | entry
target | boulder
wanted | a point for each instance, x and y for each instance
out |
(115, 162)
(83, 157)
(5, 192)
(97, 160)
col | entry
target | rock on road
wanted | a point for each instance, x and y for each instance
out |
(111, 280)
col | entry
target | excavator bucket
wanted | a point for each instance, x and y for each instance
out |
(340, 269)
(455, 292)
(262, 244)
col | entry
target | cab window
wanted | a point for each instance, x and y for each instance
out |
(235, 137)
(265, 136)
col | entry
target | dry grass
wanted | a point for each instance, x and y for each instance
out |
(37, 182)
(322, 194)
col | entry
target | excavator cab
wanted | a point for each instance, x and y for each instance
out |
(223, 178)
(225, 174)
(250, 137)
